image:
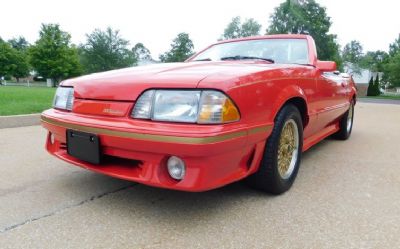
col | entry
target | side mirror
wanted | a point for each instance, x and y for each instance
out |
(326, 66)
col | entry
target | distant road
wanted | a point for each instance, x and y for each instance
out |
(379, 101)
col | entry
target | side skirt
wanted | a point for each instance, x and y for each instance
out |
(317, 137)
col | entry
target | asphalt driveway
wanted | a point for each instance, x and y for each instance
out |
(347, 195)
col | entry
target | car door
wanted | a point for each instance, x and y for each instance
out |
(332, 97)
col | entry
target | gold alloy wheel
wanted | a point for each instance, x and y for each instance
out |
(288, 149)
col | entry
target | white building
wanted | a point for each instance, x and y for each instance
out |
(361, 77)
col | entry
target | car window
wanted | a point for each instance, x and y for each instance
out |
(279, 50)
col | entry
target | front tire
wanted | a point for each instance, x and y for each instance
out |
(282, 155)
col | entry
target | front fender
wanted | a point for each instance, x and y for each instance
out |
(287, 93)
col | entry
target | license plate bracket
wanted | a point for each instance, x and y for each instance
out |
(84, 146)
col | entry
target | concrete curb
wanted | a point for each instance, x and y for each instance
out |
(19, 120)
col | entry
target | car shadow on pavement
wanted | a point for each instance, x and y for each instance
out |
(320, 147)
(164, 206)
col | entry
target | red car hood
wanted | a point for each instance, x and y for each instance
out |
(127, 84)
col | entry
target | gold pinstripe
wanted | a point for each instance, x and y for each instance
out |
(158, 138)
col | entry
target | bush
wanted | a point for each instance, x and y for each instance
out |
(370, 87)
(373, 87)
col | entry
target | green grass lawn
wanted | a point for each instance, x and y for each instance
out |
(24, 100)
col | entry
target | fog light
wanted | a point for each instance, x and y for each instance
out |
(176, 167)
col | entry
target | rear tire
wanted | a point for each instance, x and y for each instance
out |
(345, 124)
(281, 161)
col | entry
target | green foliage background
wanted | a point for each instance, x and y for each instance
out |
(307, 17)
(53, 56)
(181, 49)
(105, 50)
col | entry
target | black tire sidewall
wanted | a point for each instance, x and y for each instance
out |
(288, 112)
(343, 133)
(267, 178)
(348, 133)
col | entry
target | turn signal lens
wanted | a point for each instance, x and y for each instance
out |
(229, 112)
(216, 107)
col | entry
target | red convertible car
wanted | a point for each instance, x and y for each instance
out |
(244, 108)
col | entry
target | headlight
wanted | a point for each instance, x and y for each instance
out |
(188, 106)
(178, 106)
(64, 98)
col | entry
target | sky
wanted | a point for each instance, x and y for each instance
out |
(155, 23)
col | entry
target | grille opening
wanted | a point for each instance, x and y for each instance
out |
(109, 160)
(121, 162)
(251, 158)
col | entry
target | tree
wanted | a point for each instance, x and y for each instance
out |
(250, 28)
(352, 52)
(20, 43)
(7, 59)
(12, 62)
(141, 52)
(22, 65)
(394, 48)
(391, 65)
(377, 86)
(53, 56)
(374, 60)
(181, 49)
(105, 50)
(351, 55)
(306, 17)
(374, 87)
(232, 31)
(392, 70)
(236, 29)
(370, 90)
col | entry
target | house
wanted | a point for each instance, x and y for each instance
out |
(362, 80)
(361, 77)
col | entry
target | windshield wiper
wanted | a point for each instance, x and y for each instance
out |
(239, 57)
(205, 59)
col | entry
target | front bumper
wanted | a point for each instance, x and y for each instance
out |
(138, 150)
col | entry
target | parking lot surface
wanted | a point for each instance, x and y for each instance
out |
(347, 195)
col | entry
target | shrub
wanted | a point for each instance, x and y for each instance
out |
(370, 91)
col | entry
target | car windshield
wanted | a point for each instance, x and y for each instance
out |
(285, 51)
